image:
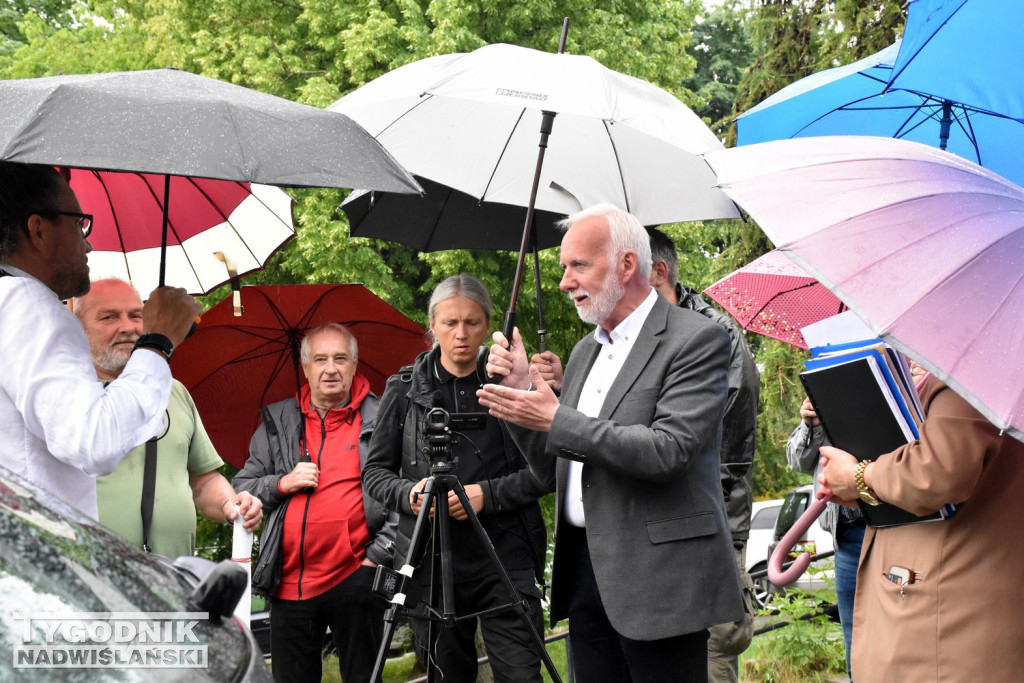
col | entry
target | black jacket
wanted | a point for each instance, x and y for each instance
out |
(511, 515)
(740, 421)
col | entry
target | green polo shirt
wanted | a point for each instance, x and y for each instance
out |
(183, 449)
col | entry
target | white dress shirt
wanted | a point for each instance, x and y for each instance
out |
(59, 427)
(615, 347)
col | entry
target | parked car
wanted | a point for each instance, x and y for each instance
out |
(70, 588)
(762, 529)
(815, 541)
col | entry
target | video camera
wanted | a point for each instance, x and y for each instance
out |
(440, 428)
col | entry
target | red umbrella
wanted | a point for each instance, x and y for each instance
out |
(246, 222)
(234, 365)
(775, 297)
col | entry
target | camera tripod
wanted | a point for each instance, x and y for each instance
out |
(403, 591)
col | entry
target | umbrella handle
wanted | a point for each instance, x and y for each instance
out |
(776, 574)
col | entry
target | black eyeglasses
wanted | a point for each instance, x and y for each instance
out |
(83, 220)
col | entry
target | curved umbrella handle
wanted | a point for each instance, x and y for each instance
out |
(775, 572)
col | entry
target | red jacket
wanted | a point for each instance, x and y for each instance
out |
(325, 532)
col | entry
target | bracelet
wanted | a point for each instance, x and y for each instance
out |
(226, 520)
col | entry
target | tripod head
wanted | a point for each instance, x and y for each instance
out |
(440, 429)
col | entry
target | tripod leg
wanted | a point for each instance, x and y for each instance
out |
(412, 558)
(517, 601)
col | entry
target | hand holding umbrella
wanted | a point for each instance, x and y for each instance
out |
(171, 312)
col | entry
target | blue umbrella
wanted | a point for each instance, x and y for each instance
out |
(851, 100)
(966, 50)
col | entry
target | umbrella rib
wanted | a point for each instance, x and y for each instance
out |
(504, 148)
(226, 218)
(618, 164)
(897, 74)
(776, 295)
(117, 222)
(969, 131)
(852, 106)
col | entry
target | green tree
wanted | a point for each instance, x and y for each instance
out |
(56, 13)
(722, 51)
(857, 29)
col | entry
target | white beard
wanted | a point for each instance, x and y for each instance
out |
(600, 305)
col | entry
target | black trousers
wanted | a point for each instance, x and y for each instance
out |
(298, 627)
(600, 654)
(513, 653)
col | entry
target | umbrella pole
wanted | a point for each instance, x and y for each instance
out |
(163, 231)
(542, 332)
(944, 123)
(547, 121)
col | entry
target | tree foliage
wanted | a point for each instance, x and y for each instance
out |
(315, 51)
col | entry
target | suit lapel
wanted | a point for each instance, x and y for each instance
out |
(585, 355)
(639, 356)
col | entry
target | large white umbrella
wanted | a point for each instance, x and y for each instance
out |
(471, 121)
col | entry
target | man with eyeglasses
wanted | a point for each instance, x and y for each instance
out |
(59, 427)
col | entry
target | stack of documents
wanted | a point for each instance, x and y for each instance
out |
(868, 406)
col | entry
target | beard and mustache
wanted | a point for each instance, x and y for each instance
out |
(113, 358)
(599, 305)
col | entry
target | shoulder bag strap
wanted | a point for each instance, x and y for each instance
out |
(148, 491)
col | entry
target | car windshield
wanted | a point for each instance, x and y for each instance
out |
(794, 506)
(56, 561)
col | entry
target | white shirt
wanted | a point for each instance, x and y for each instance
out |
(615, 348)
(59, 427)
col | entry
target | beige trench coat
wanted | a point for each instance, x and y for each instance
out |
(962, 619)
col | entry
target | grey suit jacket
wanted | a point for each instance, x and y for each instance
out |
(656, 525)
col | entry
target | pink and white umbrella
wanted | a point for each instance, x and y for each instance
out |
(926, 247)
(775, 297)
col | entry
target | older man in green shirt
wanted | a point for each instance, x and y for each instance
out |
(186, 471)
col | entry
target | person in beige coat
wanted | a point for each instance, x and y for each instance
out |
(956, 614)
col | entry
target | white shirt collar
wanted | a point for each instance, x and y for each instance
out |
(630, 327)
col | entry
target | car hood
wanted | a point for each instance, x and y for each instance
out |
(57, 565)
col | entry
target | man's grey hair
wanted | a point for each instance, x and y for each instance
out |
(76, 302)
(664, 249)
(459, 285)
(626, 231)
(353, 345)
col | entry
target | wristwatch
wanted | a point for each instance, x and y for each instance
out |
(157, 342)
(866, 494)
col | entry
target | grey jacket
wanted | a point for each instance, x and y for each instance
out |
(655, 521)
(739, 426)
(273, 452)
(802, 456)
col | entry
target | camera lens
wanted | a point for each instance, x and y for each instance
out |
(437, 418)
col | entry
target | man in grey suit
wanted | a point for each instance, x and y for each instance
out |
(643, 560)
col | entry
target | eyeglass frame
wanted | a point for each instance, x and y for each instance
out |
(85, 220)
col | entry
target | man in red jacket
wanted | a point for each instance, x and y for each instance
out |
(323, 537)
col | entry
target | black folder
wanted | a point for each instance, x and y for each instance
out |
(858, 418)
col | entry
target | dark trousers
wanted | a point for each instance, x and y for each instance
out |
(513, 653)
(600, 654)
(298, 627)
